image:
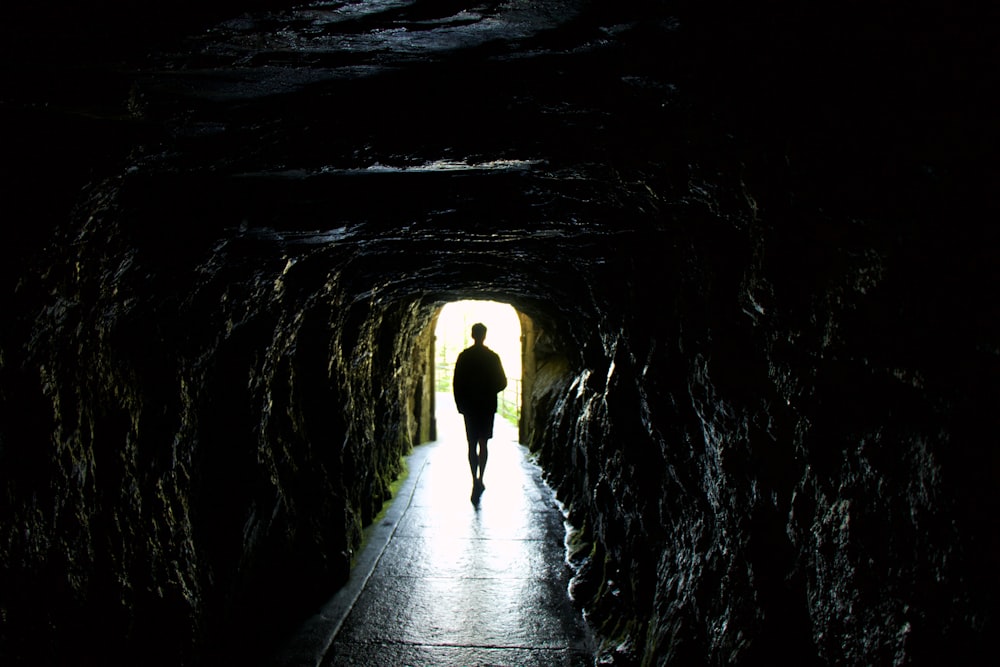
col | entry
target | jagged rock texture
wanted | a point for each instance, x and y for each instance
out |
(752, 241)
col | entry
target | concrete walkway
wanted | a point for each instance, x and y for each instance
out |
(445, 581)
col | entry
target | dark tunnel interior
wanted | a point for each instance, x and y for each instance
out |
(756, 243)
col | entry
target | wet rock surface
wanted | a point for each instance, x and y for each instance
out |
(754, 241)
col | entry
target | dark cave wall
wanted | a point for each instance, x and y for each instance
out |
(778, 427)
(773, 443)
(216, 421)
(760, 456)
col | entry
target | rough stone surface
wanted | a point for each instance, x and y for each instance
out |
(755, 240)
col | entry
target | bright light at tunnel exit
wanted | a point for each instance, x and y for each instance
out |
(503, 336)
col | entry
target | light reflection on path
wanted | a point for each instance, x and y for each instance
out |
(464, 583)
(447, 480)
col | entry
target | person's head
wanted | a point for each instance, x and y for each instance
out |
(478, 332)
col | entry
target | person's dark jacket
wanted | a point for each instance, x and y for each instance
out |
(479, 377)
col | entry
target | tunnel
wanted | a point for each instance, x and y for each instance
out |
(753, 246)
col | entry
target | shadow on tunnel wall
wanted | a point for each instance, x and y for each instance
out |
(756, 245)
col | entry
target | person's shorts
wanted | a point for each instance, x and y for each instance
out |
(478, 426)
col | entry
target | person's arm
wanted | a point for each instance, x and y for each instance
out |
(459, 389)
(501, 377)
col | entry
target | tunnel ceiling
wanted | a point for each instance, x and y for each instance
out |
(522, 151)
(482, 140)
(452, 152)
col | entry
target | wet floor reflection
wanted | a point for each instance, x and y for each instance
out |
(469, 583)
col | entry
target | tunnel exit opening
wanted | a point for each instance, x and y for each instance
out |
(452, 334)
(505, 336)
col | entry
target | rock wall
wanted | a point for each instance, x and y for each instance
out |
(765, 359)
(780, 457)
(775, 444)
(215, 424)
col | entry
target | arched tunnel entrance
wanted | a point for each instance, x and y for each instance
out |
(748, 245)
(510, 334)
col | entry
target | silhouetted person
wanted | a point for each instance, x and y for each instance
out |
(479, 377)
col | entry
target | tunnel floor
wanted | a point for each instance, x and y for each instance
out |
(443, 580)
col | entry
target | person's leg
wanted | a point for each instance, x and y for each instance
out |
(483, 455)
(471, 438)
